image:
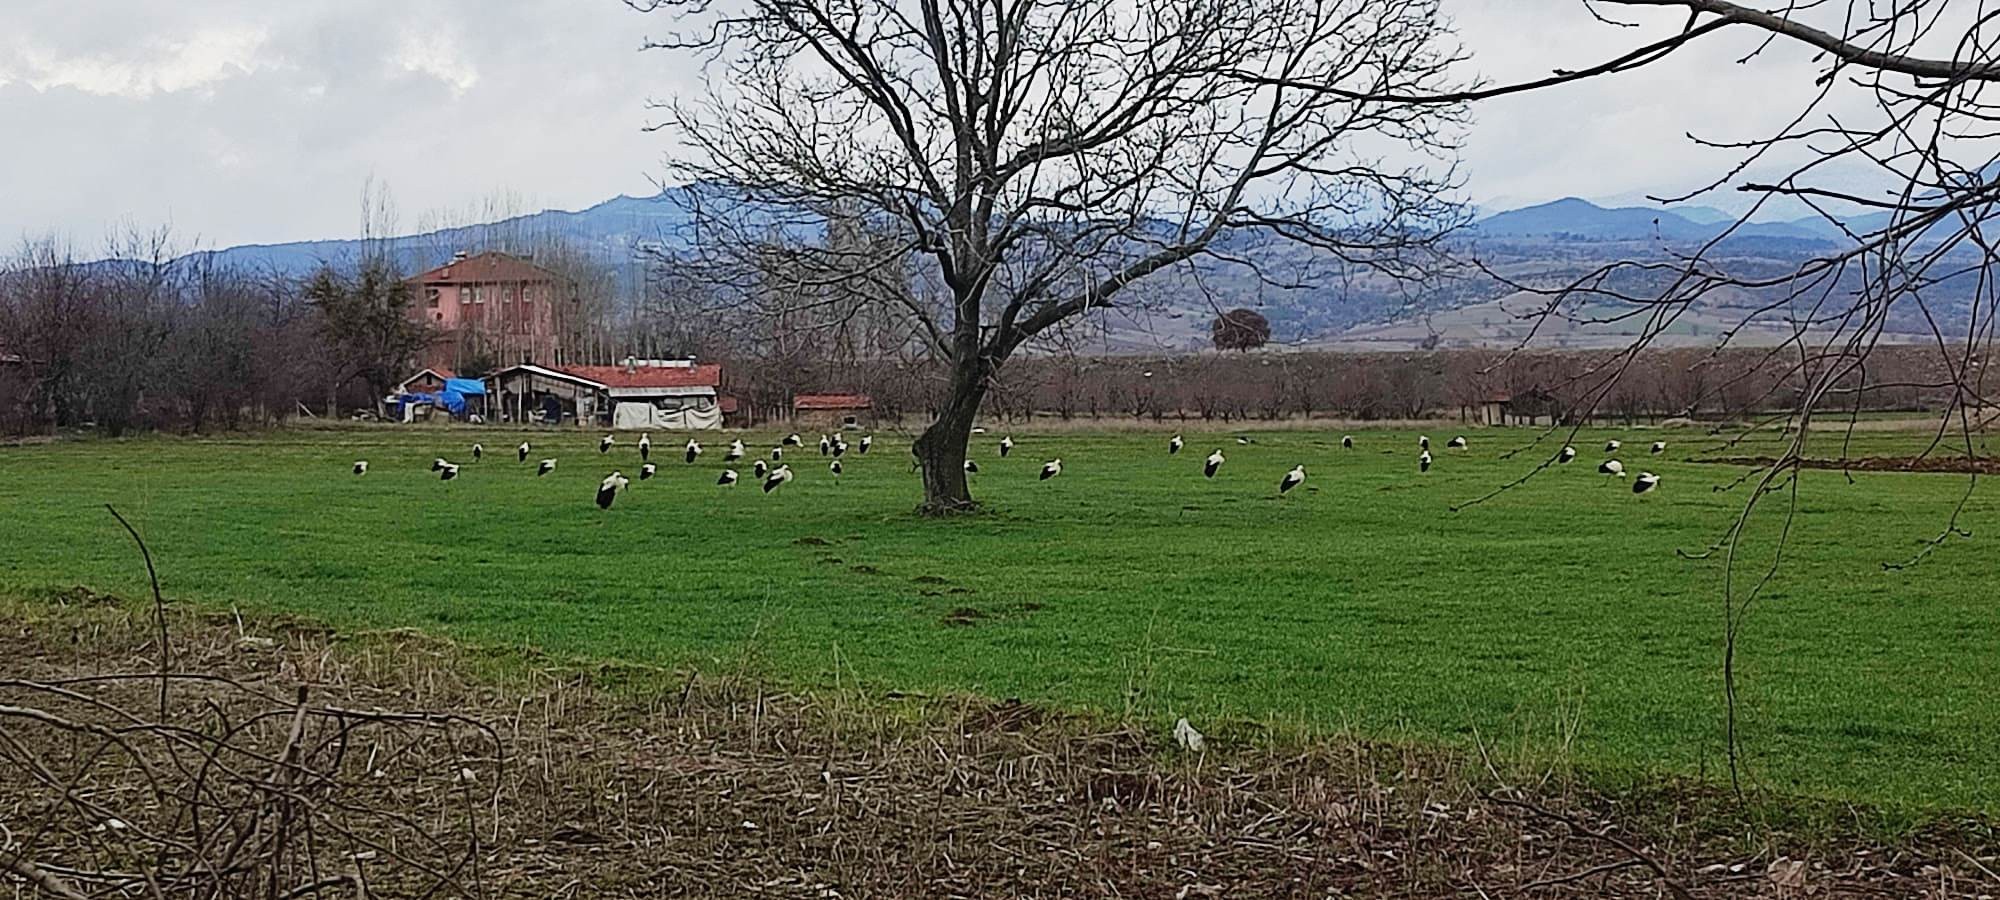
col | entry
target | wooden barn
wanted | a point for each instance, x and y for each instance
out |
(534, 394)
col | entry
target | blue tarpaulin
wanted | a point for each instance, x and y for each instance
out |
(452, 401)
(452, 398)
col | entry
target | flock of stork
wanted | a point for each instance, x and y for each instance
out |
(771, 476)
(835, 446)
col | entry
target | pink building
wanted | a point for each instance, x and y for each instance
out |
(494, 307)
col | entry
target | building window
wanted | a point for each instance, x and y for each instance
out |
(476, 296)
(431, 298)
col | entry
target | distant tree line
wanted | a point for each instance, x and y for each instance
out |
(1560, 387)
(147, 338)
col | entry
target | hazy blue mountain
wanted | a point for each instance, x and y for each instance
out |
(1701, 215)
(1580, 219)
(611, 231)
(1567, 236)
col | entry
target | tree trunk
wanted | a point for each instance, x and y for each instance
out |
(940, 450)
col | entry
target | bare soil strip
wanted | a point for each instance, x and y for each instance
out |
(629, 783)
(1931, 464)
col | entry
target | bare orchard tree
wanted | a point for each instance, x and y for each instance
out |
(1037, 160)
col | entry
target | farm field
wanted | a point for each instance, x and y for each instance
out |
(1555, 621)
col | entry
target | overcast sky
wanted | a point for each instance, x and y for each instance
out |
(243, 121)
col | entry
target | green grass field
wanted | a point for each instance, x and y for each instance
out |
(1556, 620)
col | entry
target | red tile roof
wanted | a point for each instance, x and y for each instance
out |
(485, 268)
(809, 402)
(649, 376)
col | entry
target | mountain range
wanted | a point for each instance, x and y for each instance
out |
(1567, 235)
(1579, 219)
(613, 229)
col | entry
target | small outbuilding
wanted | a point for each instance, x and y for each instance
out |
(673, 395)
(669, 394)
(1492, 410)
(528, 393)
(426, 381)
(832, 410)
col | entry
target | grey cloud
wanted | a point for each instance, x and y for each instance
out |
(545, 99)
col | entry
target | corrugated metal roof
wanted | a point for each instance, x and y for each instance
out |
(650, 376)
(810, 402)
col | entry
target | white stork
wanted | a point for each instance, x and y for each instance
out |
(972, 467)
(1568, 453)
(693, 449)
(1423, 442)
(867, 440)
(1347, 442)
(1659, 446)
(777, 478)
(839, 449)
(521, 452)
(777, 453)
(1645, 482)
(645, 447)
(547, 466)
(727, 478)
(1051, 469)
(1243, 441)
(360, 467)
(825, 445)
(607, 490)
(976, 429)
(646, 471)
(735, 451)
(1612, 446)
(1457, 443)
(1212, 464)
(448, 473)
(1006, 446)
(834, 467)
(438, 464)
(1294, 478)
(793, 440)
(757, 471)
(1424, 461)
(1611, 467)
(478, 450)
(604, 445)
(1174, 446)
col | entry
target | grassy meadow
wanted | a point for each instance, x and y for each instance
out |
(1555, 620)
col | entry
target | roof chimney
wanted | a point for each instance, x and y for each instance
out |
(458, 256)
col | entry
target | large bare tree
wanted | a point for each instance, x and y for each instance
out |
(1037, 160)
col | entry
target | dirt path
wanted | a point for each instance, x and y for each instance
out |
(1935, 464)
